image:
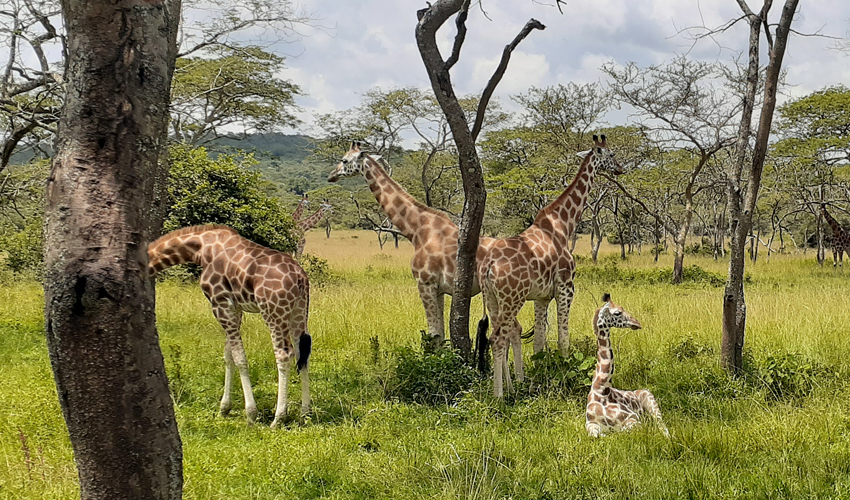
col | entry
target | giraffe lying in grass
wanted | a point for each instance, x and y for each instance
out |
(610, 409)
(241, 276)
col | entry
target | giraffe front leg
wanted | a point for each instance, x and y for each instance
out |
(564, 300)
(432, 301)
(541, 324)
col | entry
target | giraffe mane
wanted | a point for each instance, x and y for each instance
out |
(202, 228)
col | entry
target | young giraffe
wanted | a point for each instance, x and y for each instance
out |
(536, 265)
(840, 239)
(304, 225)
(299, 210)
(609, 408)
(239, 276)
(432, 232)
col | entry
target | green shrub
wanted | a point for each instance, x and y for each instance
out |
(553, 373)
(688, 348)
(610, 272)
(24, 249)
(430, 378)
(786, 375)
(318, 271)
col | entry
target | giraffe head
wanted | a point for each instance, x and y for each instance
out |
(351, 164)
(326, 207)
(611, 315)
(603, 158)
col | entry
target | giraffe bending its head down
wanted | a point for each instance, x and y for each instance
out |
(609, 408)
(536, 265)
(840, 239)
(241, 276)
(432, 232)
(304, 225)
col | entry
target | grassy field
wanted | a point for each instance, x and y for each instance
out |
(781, 432)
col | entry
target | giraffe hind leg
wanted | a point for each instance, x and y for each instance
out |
(650, 405)
(230, 320)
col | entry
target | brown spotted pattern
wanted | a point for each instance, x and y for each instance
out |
(610, 409)
(537, 265)
(840, 239)
(302, 226)
(241, 276)
(432, 232)
(299, 210)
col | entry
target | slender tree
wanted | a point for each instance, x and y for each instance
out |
(742, 202)
(430, 20)
(99, 298)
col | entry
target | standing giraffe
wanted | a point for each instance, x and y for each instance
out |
(302, 226)
(609, 408)
(241, 276)
(299, 210)
(840, 239)
(537, 265)
(432, 232)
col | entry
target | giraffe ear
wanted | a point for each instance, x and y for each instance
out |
(583, 154)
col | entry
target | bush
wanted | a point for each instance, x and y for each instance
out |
(553, 373)
(688, 348)
(24, 248)
(787, 375)
(318, 271)
(430, 378)
(610, 272)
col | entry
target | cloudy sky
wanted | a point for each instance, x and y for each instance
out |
(363, 44)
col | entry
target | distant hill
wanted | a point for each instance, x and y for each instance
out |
(283, 147)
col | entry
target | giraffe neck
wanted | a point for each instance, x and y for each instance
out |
(299, 210)
(604, 355)
(402, 209)
(564, 213)
(180, 247)
(836, 227)
(310, 222)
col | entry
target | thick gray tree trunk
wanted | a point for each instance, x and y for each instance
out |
(99, 299)
(740, 208)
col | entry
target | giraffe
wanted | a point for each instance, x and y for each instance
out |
(432, 232)
(536, 265)
(239, 276)
(299, 210)
(609, 408)
(304, 225)
(840, 239)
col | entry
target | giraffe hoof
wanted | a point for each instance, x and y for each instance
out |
(276, 423)
(224, 410)
(251, 414)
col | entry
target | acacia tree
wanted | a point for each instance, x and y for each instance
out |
(430, 20)
(99, 298)
(684, 108)
(742, 199)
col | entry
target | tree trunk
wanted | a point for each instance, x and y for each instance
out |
(99, 299)
(741, 210)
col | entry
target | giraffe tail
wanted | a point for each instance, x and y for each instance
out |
(481, 343)
(305, 347)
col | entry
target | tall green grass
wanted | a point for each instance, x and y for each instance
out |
(731, 438)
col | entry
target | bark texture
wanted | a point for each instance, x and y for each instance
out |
(742, 204)
(99, 299)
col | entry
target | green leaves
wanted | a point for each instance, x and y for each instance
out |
(203, 190)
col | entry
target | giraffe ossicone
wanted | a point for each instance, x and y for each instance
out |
(536, 265)
(241, 276)
(610, 409)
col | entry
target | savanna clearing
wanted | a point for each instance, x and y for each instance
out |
(780, 431)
